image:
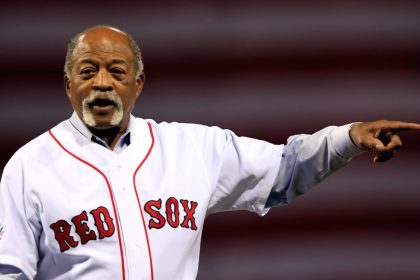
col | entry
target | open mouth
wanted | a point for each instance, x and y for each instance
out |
(101, 102)
(101, 106)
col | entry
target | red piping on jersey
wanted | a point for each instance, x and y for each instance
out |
(138, 200)
(110, 194)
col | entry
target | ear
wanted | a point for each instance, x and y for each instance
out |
(139, 83)
(67, 85)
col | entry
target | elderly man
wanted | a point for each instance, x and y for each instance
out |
(105, 195)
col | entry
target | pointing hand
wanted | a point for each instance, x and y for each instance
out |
(381, 137)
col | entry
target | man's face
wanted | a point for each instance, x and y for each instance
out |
(103, 85)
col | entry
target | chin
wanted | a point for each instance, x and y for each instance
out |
(103, 118)
(103, 122)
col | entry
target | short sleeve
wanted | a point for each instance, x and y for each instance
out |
(243, 171)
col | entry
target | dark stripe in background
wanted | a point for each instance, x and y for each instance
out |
(265, 69)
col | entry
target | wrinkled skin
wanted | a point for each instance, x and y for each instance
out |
(103, 67)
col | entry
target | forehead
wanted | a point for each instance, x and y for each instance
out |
(103, 44)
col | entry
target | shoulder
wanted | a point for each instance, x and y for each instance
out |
(38, 149)
(175, 126)
(190, 130)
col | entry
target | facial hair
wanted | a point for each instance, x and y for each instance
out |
(88, 117)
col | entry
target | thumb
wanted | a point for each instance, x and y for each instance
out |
(374, 144)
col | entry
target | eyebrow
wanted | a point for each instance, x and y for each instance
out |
(88, 61)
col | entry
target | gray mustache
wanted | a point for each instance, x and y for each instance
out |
(103, 98)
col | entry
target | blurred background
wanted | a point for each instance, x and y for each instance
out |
(264, 69)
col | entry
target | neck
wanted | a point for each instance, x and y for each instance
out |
(109, 135)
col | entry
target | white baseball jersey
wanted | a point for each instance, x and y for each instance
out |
(71, 208)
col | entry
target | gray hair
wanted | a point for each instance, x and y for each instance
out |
(138, 60)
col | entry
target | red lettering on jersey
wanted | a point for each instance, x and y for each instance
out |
(103, 222)
(82, 228)
(61, 230)
(103, 218)
(172, 211)
(157, 220)
(172, 215)
(189, 214)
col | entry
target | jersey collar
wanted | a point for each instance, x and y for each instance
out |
(122, 143)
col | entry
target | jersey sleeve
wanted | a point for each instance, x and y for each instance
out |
(18, 233)
(255, 175)
(242, 171)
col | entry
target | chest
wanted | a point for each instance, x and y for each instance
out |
(141, 200)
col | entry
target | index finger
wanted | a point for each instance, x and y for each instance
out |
(403, 126)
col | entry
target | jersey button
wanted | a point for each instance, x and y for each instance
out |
(137, 249)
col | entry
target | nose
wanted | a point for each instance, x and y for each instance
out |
(103, 81)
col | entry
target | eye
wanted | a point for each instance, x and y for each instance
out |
(87, 72)
(117, 71)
